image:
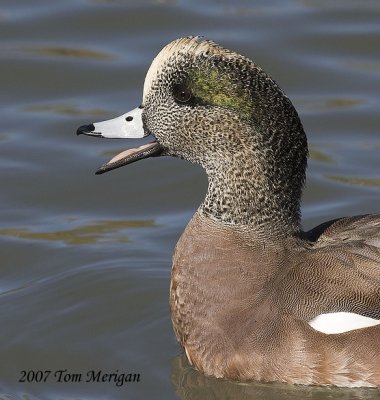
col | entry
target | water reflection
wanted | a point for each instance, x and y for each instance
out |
(70, 52)
(22, 396)
(192, 385)
(315, 153)
(354, 180)
(313, 105)
(66, 109)
(91, 233)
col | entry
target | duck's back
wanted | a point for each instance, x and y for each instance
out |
(341, 269)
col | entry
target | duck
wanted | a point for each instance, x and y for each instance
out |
(253, 297)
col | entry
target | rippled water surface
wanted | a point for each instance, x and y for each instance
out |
(85, 259)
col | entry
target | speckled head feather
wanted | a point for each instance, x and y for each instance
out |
(214, 107)
(189, 46)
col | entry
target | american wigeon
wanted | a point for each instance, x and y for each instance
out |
(252, 296)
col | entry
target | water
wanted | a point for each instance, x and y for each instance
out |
(85, 259)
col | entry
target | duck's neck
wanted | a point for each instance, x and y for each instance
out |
(257, 190)
(244, 202)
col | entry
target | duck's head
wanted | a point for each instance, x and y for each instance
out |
(214, 107)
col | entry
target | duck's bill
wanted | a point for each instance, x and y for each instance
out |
(127, 126)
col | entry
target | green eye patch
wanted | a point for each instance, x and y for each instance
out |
(219, 87)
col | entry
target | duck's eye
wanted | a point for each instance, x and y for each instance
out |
(182, 94)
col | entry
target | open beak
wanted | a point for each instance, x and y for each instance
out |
(127, 126)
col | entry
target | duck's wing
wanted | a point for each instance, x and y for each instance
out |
(363, 229)
(339, 272)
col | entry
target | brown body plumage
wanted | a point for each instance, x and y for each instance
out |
(241, 311)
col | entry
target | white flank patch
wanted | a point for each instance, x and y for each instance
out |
(341, 322)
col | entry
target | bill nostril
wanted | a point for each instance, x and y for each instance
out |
(82, 130)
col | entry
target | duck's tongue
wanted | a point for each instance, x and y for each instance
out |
(126, 126)
(130, 155)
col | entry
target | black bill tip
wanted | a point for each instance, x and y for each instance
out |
(86, 130)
